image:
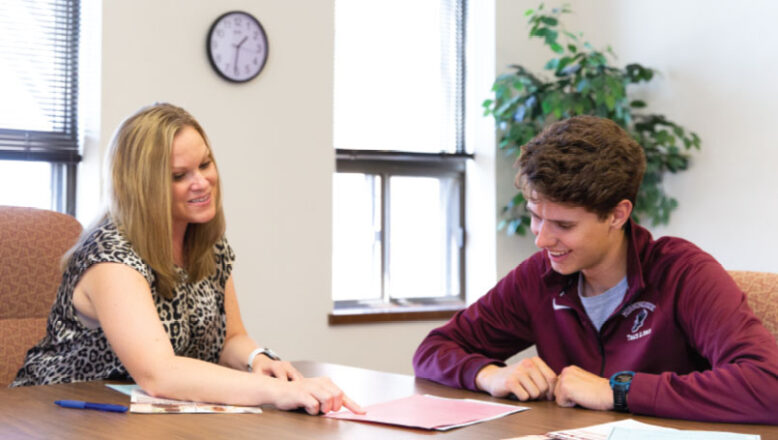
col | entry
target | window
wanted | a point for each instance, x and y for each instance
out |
(398, 190)
(38, 83)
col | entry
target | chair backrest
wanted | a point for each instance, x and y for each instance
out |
(761, 289)
(32, 243)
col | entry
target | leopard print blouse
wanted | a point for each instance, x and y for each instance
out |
(74, 351)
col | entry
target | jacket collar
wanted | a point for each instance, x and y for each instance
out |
(639, 240)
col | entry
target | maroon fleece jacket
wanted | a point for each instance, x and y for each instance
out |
(684, 326)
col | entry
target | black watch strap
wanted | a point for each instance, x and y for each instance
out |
(620, 384)
(620, 399)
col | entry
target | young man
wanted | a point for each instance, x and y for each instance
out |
(620, 321)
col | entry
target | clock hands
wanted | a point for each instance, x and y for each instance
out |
(237, 46)
(237, 52)
(239, 32)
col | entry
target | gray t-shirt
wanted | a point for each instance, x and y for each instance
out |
(601, 306)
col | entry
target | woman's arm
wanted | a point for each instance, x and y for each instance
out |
(238, 345)
(120, 299)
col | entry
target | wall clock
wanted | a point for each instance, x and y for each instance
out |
(237, 46)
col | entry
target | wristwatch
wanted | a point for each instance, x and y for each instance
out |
(620, 383)
(264, 350)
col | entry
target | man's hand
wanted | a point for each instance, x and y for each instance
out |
(530, 379)
(576, 386)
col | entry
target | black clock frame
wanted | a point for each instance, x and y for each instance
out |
(210, 54)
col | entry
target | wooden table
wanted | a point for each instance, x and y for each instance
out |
(29, 412)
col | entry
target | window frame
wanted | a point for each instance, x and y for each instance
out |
(404, 163)
(60, 147)
(388, 164)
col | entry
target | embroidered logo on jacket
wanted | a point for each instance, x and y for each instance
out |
(643, 308)
(639, 320)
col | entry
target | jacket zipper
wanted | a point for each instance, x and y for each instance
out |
(597, 332)
(602, 354)
(600, 344)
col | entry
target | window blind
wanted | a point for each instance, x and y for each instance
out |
(38, 80)
(399, 75)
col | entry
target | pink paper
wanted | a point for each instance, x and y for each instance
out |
(430, 412)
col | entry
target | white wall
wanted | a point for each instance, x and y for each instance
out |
(717, 62)
(272, 140)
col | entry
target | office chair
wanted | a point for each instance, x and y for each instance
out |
(761, 289)
(32, 242)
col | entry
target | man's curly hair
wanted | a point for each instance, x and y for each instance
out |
(583, 161)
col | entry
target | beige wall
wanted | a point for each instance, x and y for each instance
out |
(716, 61)
(272, 139)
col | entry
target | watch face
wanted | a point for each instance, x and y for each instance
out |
(237, 46)
(623, 378)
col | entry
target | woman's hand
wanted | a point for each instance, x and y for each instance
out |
(317, 395)
(278, 369)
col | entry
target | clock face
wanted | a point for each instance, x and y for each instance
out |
(237, 46)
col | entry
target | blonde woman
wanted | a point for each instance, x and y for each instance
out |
(148, 293)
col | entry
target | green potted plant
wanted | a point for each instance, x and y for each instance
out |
(584, 81)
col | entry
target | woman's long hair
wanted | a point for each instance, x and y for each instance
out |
(139, 195)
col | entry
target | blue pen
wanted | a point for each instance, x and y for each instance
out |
(78, 404)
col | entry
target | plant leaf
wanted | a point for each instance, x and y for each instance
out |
(585, 82)
(550, 21)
